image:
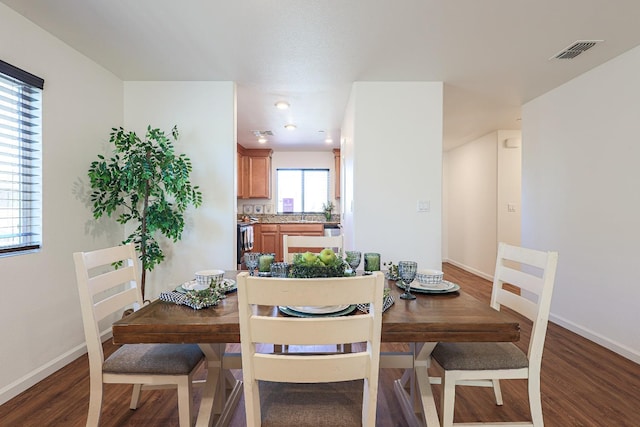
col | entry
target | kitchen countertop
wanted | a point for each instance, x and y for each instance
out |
(293, 219)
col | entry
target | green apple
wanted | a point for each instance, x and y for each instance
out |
(327, 256)
(309, 258)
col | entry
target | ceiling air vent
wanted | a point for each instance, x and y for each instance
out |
(575, 49)
(259, 133)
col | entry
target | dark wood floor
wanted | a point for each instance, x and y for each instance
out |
(583, 384)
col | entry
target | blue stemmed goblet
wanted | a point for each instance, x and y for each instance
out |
(407, 272)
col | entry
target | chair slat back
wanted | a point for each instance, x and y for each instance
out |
(525, 281)
(105, 290)
(105, 281)
(293, 331)
(343, 367)
(315, 291)
(255, 329)
(296, 244)
(535, 278)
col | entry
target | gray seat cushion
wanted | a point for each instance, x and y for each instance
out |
(165, 359)
(478, 356)
(313, 405)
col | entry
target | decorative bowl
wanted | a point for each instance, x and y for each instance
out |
(208, 278)
(427, 277)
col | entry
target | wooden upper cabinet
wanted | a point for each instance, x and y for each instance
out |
(254, 173)
(243, 182)
(336, 156)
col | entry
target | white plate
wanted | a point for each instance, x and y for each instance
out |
(442, 286)
(227, 285)
(193, 286)
(319, 309)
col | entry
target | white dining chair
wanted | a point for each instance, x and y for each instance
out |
(531, 275)
(288, 388)
(296, 244)
(104, 292)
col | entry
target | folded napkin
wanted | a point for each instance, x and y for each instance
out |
(193, 299)
(388, 302)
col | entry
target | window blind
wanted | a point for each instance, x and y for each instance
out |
(20, 160)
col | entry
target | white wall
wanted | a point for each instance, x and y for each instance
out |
(581, 197)
(39, 309)
(205, 115)
(393, 157)
(509, 187)
(481, 178)
(471, 205)
(297, 159)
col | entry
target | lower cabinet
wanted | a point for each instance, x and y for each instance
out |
(267, 238)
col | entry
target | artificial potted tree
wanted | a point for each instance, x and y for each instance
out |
(145, 183)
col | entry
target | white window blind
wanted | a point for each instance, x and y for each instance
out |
(20, 160)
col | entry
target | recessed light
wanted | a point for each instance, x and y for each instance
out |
(262, 140)
(282, 105)
(328, 140)
(290, 126)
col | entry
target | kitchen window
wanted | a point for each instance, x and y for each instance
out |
(20, 160)
(302, 190)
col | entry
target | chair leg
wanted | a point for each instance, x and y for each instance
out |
(535, 402)
(185, 402)
(252, 402)
(369, 402)
(497, 391)
(448, 400)
(95, 404)
(135, 396)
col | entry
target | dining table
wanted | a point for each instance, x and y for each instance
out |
(421, 323)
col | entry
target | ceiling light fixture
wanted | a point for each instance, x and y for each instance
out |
(282, 105)
(290, 126)
(328, 140)
(262, 140)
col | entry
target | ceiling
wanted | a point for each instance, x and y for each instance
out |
(492, 55)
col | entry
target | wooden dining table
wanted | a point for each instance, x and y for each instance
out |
(422, 323)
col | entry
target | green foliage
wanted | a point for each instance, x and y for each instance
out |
(146, 182)
(328, 209)
(306, 268)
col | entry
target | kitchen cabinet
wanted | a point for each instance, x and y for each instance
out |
(243, 185)
(336, 157)
(268, 237)
(254, 173)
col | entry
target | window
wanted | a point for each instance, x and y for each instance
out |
(20, 160)
(302, 190)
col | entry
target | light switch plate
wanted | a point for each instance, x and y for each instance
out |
(424, 205)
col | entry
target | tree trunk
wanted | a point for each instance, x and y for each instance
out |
(143, 240)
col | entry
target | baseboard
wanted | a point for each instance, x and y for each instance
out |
(32, 378)
(614, 346)
(469, 269)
